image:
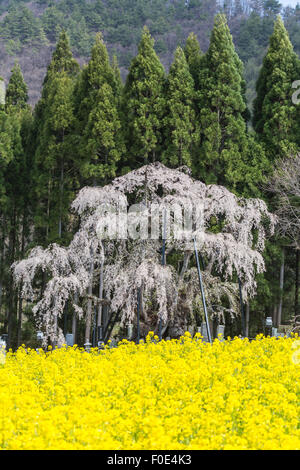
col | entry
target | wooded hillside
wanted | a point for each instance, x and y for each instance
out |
(90, 127)
(29, 30)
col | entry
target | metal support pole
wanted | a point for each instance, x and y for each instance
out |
(202, 292)
(242, 309)
(163, 258)
(138, 315)
(163, 262)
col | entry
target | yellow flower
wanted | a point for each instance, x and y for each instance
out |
(182, 394)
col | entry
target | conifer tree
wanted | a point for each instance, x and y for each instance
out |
(117, 84)
(275, 115)
(2, 93)
(143, 104)
(18, 118)
(10, 215)
(98, 120)
(99, 68)
(6, 155)
(16, 204)
(55, 169)
(62, 61)
(17, 90)
(103, 138)
(224, 139)
(62, 58)
(58, 158)
(180, 130)
(6, 152)
(275, 120)
(194, 57)
(97, 72)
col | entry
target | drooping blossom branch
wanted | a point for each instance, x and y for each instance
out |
(230, 235)
(285, 186)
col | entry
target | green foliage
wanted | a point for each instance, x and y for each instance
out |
(2, 93)
(104, 142)
(181, 131)
(53, 19)
(221, 111)
(275, 115)
(17, 90)
(97, 98)
(6, 150)
(15, 184)
(194, 57)
(54, 168)
(121, 20)
(88, 127)
(144, 104)
(20, 24)
(62, 58)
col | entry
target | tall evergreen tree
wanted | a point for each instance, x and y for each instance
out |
(275, 121)
(180, 127)
(144, 104)
(194, 57)
(62, 58)
(98, 95)
(58, 159)
(55, 169)
(117, 84)
(17, 90)
(104, 144)
(2, 93)
(6, 151)
(93, 76)
(275, 115)
(62, 61)
(224, 139)
(15, 207)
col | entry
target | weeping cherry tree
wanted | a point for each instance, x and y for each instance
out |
(117, 253)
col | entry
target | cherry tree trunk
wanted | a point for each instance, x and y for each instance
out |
(74, 320)
(99, 320)
(247, 320)
(90, 303)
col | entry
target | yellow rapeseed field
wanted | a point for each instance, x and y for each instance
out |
(181, 394)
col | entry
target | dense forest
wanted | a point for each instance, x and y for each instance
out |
(29, 31)
(220, 106)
